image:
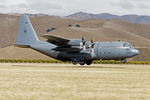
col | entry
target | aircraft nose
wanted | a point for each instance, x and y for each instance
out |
(135, 52)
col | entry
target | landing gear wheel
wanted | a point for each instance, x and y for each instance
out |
(82, 62)
(89, 62)
(123, 61)
(74, 62)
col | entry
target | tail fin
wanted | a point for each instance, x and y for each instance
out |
(26, 35)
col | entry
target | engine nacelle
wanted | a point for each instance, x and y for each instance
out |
(75, 43)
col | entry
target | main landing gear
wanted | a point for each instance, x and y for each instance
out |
(82, 62)
(88, 62)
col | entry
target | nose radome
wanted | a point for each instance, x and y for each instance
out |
(135, 52)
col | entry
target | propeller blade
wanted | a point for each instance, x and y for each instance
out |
(93, 52)
(92, 43)
(92, 40)
(83, 41)
(83, 44)
(82, 38)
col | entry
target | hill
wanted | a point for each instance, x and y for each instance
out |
(106, 16)
(100, 30)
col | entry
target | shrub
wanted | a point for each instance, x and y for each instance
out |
(66, 62)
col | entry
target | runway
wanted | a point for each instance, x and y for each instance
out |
(65, 81)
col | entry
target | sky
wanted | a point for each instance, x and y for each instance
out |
(67, 7)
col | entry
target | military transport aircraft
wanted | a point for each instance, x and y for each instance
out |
(75, 50)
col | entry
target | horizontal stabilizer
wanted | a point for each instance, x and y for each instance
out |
(23, 46)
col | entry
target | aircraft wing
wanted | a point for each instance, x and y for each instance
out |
(59, 41)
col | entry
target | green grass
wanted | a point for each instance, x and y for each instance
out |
(57, 61)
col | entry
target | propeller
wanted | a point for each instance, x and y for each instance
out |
(92, 46)
(83, 41)
(92, 43)
(83, 44)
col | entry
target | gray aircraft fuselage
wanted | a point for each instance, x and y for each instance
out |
(74, 52)
(102, 51)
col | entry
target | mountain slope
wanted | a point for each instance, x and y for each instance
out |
(129, 18)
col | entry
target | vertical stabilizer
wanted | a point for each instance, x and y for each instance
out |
(26, 34)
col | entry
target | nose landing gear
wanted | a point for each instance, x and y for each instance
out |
(123, 61)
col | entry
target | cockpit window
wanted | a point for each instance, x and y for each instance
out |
(127, 45)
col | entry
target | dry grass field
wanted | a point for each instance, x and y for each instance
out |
(68, 82)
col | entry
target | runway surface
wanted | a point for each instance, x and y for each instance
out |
(68, 82)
